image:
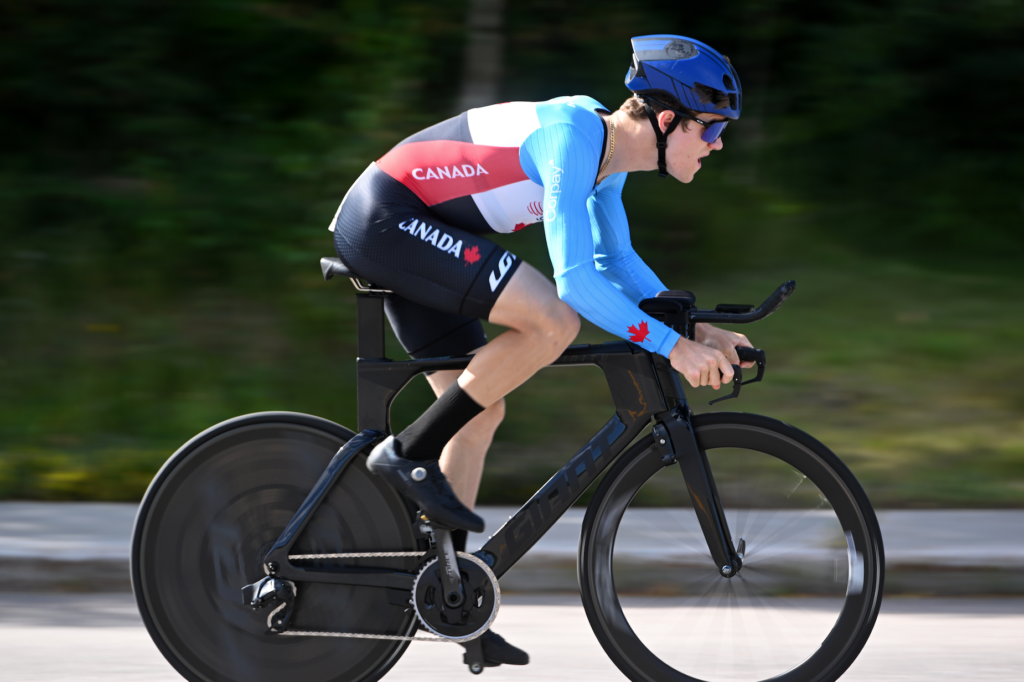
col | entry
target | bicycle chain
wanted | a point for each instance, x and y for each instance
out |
(356, 555)
(359, 635)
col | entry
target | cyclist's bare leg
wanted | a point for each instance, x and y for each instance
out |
(540, 327)
(462, 460)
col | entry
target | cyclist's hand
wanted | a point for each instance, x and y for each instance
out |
(723, 341)
(700, 365)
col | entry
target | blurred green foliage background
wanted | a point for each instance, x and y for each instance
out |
(169, 169)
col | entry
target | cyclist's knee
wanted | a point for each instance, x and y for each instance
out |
(562, 324)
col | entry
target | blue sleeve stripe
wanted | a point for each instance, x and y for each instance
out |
(586, 290)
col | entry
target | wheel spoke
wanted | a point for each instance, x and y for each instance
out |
(785, 613)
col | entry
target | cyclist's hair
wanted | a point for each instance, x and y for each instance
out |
(707, 95)
(634, 108)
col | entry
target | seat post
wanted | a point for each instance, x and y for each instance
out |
(370, 325)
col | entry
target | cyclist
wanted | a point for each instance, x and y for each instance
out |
(414, 223)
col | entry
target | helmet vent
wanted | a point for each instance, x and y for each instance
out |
(727, 82)
(680, 49)
(709, 95)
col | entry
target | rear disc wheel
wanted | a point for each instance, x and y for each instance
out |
(206, 524)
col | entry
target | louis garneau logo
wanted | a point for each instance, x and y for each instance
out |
(442, 240)
(503, 265)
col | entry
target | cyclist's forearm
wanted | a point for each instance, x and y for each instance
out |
(596, 299)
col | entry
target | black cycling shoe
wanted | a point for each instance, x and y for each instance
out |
(497, 651)
(424, 484)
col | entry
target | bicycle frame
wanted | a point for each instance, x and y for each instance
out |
(644, 387)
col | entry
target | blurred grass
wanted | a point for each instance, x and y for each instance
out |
(906, 373)
(166, 184)
(909, 376)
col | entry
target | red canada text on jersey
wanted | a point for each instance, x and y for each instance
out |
(441, 170)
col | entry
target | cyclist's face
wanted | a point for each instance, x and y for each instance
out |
(686, 149)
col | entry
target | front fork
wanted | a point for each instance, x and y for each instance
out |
(675, 440)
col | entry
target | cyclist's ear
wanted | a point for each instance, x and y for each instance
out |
(665, 119)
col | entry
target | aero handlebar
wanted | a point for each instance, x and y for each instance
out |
(737, 314)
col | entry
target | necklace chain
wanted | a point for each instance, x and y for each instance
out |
(611, 146)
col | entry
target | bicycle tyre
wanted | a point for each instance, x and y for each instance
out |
(784, 584)
(210, 516)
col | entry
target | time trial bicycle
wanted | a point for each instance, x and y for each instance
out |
(264, 550)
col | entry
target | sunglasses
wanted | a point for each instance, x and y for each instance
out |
(712, 130)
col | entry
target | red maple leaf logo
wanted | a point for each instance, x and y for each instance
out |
(472, 254)
(518, 227)
(638, 335)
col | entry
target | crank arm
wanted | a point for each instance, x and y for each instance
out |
(451, 578)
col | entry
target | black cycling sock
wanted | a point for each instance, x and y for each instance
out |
(425, 438)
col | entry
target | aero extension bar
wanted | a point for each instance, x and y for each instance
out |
(737, 314)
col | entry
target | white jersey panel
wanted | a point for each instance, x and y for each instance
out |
(503, 125)
(511, 207)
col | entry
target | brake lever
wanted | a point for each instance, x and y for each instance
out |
(737, 382)
(745, 354)
(752, 355)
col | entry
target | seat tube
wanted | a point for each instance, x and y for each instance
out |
(373, 399)
(370, 326)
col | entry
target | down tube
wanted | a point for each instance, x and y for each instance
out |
(529, 524)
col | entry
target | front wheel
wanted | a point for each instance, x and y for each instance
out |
(206, 524)
(806, 598)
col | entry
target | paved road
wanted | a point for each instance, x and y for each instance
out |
(84, 546)
(73, 531)
(50, 637)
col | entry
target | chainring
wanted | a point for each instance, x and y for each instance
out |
(478, 610)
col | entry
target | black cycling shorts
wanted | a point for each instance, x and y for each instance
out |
(445, 279)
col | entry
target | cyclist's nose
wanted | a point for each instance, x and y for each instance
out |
(717, 144)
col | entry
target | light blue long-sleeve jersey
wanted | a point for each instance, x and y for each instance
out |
(596, 269)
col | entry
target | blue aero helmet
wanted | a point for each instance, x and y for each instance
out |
(695, 74)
